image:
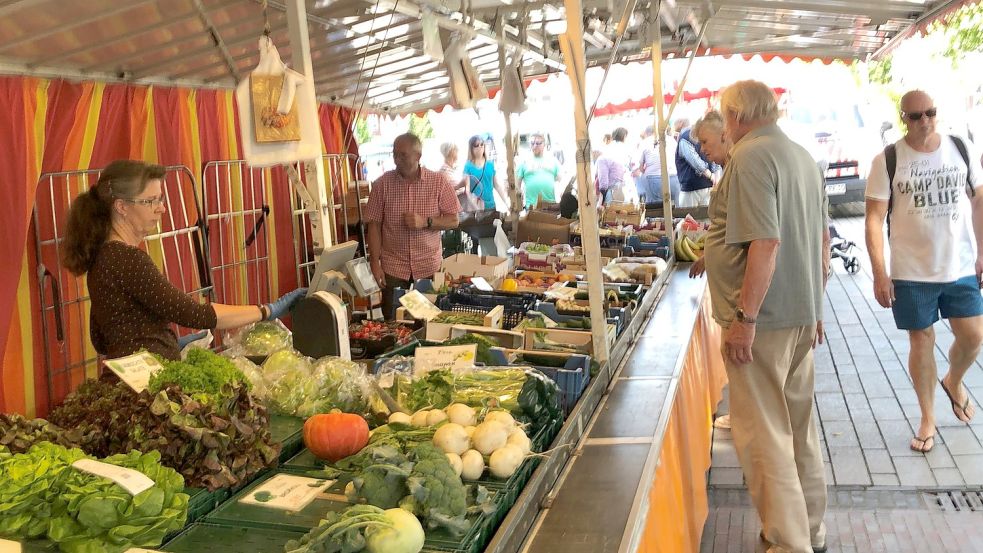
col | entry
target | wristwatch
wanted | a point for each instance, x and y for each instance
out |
(429, 222)
(743, 317)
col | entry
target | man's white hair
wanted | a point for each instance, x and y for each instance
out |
(749, 102)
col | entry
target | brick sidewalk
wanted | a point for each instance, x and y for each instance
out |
(868, 412)
(856, 522)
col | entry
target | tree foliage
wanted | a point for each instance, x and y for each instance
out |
(964, 30)
(362, 134)
(879, 71)
(420, 126)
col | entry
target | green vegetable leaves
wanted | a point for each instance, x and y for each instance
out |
(216, 444)
(42, 495)
(400, 466)
(203, 372)
(298, 388)
(342, 532)
(18, 434)
(265, 337)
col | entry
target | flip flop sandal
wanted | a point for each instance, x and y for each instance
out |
(956, 405)
(924, 442)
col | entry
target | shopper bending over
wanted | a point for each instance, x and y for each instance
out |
(934, 213)
(709, 133)
(695, 171)
(407, 209)
(133, 304)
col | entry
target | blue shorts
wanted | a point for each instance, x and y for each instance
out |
(917, 305)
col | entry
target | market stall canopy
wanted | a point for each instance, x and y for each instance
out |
(647, 104)
(369, 54)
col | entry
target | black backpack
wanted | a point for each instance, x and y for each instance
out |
(891, 159)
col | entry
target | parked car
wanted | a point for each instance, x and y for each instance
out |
(847, 136)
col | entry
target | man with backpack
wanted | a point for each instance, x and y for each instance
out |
(926, 187)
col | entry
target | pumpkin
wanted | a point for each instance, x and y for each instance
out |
(334, 436)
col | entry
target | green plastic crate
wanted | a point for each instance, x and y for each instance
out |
(201, 501)
(302, 462)
(215, 538)
(289, 433)
(544, 438)
(481, 532)
(234, 513)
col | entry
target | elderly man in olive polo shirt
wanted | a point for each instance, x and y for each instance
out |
(766, 259)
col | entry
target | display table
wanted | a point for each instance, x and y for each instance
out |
(637, 447)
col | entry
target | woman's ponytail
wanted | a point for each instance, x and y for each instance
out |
(89, 222)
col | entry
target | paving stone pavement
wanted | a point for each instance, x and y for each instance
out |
(856, 522)
(867, 413)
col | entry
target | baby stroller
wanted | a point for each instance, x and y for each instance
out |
(843, 249)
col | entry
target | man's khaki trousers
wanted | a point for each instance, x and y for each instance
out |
(777, 441)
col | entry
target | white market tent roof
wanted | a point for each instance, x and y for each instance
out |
(369, 54)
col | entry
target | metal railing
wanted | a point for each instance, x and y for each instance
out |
(237, 241)
(340, 172)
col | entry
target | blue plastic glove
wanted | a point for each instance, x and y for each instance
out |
(281, 307)
(183, 341)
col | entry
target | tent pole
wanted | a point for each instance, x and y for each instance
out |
(572, 45)
(514, 200)
(661, 123)
(322, 220)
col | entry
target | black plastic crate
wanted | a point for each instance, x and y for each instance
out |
(516, 304)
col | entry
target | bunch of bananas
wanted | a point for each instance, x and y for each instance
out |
(688, 250)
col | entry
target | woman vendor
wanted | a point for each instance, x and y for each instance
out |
(133, 304)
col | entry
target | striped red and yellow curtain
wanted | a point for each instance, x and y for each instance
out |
(58, 125)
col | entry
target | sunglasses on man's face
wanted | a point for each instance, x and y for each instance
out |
(916, 115)
(536, 143)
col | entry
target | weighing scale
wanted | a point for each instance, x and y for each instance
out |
(320, 320)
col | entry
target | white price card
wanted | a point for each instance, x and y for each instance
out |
(135, 369)
(419, 306)
(481, 284)
(287, 492)
(455, 358)
(133, 481)
(7, 546)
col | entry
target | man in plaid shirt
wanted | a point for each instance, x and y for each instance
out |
(407, 209)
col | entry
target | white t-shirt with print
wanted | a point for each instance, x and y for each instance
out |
(931, 224)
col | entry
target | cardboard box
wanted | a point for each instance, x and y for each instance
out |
(578, 340)
(491, 268)
(624, 214)
(578, 265)
(438, 332)
(505, 338)
(544, 228)
(349, 202)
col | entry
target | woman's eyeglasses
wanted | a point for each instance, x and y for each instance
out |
(916, 115)
(152, 203)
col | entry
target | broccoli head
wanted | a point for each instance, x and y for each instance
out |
(436, 491)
